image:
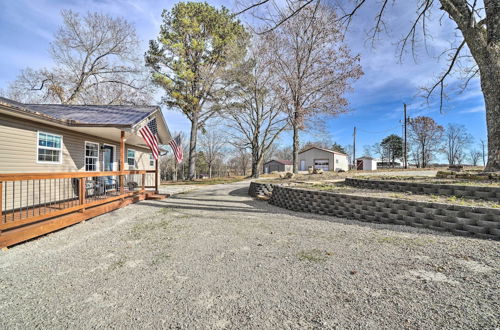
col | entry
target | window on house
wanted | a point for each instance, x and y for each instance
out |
(336, 161)
(151, 160)
(131, 157)
(321, 164)
(91, 156)
(49, 148)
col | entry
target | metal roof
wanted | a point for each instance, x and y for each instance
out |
(83, 115)
(281, 161)
(325, 150)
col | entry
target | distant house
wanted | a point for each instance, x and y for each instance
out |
(325, 159)
(278, 166)
(366, 164)
(61, 164)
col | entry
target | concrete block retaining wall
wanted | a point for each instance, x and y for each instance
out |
(259, 189)
(475, 192)
(460, 220)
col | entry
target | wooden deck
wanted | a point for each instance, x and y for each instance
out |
(28, 209)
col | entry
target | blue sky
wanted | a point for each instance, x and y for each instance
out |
(27, 27)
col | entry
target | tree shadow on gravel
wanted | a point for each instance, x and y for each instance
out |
(195, 205)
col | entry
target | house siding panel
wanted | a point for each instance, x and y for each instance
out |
(18, 148)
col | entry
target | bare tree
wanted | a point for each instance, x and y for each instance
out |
(212, 144)
(95, 62)
(474, 156)
(240, 162)
(477, 51)
(314, 66)
(426, 135)
(367, 150)
(456, 141)
(255, 112)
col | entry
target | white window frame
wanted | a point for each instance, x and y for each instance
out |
(48, 148)
(151, 160)
(85, 156)
(115, 161)
(135, 160)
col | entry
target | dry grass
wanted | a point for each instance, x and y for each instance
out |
(207, 181)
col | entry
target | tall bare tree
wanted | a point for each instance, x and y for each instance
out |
(426, 136)
(95, 62)
(457, 140)
(255, 112)
(212, 144)
(314, 66)
(479, 44)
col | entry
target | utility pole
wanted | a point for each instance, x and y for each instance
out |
(484, 158)
(405, 152)
(354, 149)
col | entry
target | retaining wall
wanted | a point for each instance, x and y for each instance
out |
(460, 220)
(257, 188)
(475, 192)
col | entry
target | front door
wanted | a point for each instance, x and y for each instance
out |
(302, 165)
(108, 154)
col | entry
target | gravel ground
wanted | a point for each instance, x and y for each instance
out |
(214, 258)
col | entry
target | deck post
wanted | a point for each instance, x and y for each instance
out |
(156, 176)
(82, 192)
(143, 179)
(1, 201)
(122, 160)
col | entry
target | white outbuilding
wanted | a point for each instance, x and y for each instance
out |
(325, 159)
(366, 164)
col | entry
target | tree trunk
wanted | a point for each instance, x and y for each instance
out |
(192, 147)
(210, 171)
(490, 85)
(295, 149)
(255, 165)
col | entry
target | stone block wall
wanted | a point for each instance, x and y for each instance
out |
(474, 192)
(257, 188)
(459, 220)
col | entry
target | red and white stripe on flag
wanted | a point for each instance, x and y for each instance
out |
(176, 145)
(149, 133)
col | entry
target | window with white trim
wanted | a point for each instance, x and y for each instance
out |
(131, 157)
(151, 160)
(49, 148)
(91, 156)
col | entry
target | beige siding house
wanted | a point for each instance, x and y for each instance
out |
(325, 159)
(60, 164)
(44, 138)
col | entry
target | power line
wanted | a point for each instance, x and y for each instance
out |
(380, 132)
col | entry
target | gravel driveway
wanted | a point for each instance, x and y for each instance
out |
(214, 258)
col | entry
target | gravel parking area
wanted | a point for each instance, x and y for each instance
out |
(215, 258)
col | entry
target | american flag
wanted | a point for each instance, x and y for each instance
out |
(177, 148)
(150, 134)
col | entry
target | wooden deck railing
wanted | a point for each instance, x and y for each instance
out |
(32, 197)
